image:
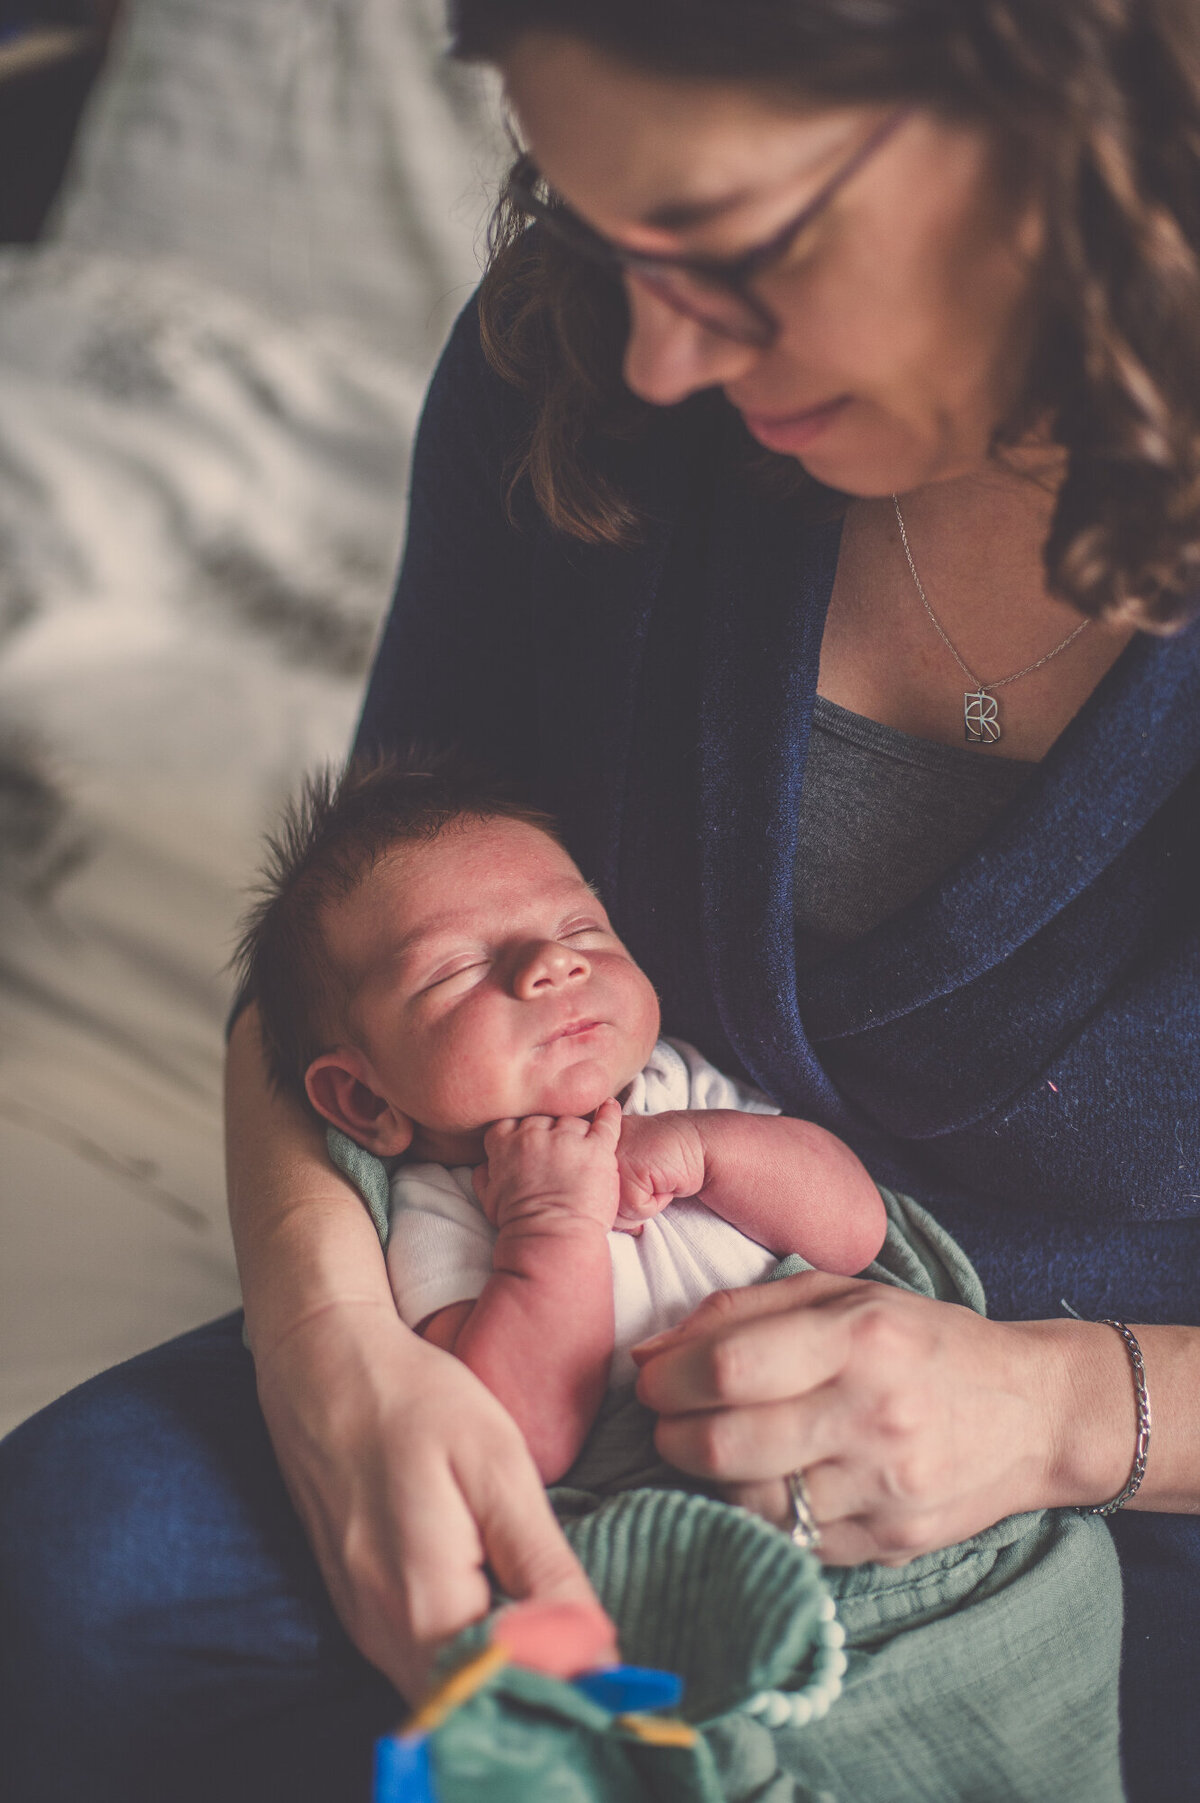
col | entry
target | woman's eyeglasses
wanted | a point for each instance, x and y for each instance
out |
(713, 291)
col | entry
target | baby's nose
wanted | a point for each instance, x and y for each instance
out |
(547, 965)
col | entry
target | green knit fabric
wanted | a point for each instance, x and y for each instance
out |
(669, 1567)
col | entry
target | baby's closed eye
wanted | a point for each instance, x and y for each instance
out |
(468, 967)
(582, 928)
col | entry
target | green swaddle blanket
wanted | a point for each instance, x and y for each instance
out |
(985, 1672)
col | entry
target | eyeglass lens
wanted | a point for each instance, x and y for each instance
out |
(705, 299)
(707, 302)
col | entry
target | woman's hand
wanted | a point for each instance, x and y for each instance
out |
(408, 1476)
(915, 1423)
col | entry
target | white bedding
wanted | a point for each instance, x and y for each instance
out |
(209, 376)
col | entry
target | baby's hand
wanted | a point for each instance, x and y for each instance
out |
(542, 1165)
(660, 1157)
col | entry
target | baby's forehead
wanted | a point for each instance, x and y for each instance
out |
(491, 849)
(470, 873)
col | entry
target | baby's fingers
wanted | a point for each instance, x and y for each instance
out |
(497, 1133)
(606, 1124)
(639, 1200)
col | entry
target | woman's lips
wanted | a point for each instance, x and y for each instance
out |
(795, 431)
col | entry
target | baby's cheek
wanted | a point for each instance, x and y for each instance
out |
(651, 1015)
(462, 1077)
(637, 1006)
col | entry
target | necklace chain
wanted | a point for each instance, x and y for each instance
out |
(981, 688)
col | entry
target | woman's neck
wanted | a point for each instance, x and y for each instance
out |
(976, 543)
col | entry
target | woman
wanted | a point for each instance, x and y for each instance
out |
(795, 257)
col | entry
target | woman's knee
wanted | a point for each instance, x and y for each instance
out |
(115, 1499)
(160, 1607)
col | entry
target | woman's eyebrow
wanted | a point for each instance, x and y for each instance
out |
(681, 214)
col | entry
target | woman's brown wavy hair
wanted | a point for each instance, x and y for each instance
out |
(1098, 99)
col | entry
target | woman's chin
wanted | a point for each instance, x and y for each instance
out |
(866, 472)
(869, 454)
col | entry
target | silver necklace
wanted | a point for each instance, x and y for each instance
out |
(981, 710)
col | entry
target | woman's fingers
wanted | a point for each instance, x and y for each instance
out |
(752, 1444)
(523, 1542)
(769, 1499)
(449, 1520)
(915, 1422)
(430, 1579)
(758, 1345)
(485, 1505)
(835, 1490)
(851, 1530)
(729, 1308)
(723, 1308)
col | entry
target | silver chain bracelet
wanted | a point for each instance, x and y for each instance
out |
(1142, 1399)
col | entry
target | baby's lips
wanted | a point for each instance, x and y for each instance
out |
(559, 1639)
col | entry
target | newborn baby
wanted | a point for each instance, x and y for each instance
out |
(443, 986)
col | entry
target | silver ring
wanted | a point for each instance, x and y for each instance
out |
(805, 1532)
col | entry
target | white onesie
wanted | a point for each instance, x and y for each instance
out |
(440, 1242)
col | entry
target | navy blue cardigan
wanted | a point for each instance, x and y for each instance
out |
(1020, 1046)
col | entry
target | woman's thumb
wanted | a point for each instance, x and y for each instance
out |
(527, 1553)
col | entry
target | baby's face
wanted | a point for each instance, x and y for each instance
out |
(487, 983)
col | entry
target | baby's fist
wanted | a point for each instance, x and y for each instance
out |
(660, 1157)
(551, 1165)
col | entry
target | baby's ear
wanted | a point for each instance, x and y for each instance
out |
(339, 1087)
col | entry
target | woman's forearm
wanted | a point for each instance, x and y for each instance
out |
(303, 1239)
(1091, 1398)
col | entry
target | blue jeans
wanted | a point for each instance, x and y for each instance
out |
(166, 1637)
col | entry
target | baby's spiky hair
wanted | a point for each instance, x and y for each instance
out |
(331, 837)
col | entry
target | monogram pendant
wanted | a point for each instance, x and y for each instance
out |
(981, 717)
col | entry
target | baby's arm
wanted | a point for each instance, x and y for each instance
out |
(788, 1184)
(540, 1335)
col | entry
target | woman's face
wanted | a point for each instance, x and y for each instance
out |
(903, 311)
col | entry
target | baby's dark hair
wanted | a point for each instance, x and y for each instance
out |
(331, 837)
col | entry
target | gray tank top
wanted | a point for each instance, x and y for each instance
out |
(882, 816)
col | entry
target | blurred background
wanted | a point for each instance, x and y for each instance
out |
(233, 235)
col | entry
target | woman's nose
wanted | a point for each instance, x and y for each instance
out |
(545, 966)
(669, 356)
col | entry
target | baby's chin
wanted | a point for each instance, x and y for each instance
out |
(581, 1089)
